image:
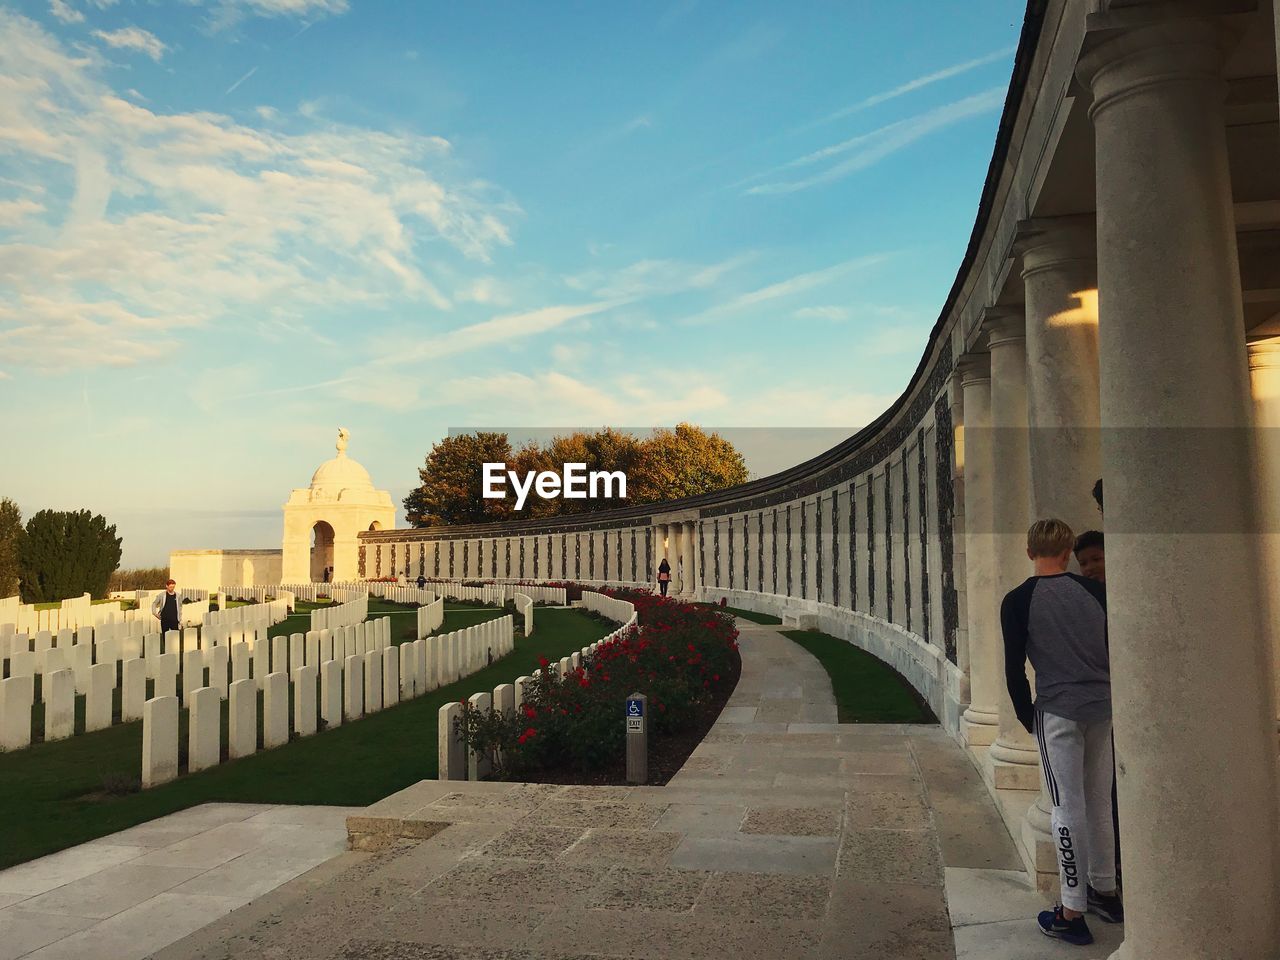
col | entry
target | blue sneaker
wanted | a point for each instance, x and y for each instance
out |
(1054, 924)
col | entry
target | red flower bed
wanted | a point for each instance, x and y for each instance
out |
(679, 656)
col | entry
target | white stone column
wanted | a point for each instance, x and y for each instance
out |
(1059, 272)
(985, 658)
(1264, 382)
(691, 556)
(1194, 731)
(1014, 755)
(675, 556)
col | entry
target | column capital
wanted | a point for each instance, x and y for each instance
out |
(1004, 325)
(1131, 49)
(974, 368)
(1047, 242)
(1264, 353)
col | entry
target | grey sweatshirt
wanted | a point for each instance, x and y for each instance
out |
(1059, 622)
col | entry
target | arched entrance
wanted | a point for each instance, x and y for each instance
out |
(375, 525)
(321, 552)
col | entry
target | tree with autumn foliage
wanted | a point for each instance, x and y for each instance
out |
(668, 465)
(684, 462)
(451, 482)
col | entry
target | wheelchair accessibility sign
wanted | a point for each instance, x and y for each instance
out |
(635, 715)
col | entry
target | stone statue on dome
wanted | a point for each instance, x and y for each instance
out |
(343, 437)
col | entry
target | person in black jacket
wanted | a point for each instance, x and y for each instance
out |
(1058, 620)
(664, 576)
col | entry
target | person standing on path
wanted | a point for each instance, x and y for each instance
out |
(664, 576)
(167, 608)
(1058, 620)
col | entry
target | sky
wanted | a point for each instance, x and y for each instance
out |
(228, 227)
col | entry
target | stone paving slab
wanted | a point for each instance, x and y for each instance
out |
(786, 835)
(138, 890)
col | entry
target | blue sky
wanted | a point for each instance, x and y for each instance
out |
(229, 226)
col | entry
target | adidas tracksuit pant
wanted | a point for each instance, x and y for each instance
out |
(1076, 759)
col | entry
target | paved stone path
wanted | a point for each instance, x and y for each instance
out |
(134, 892)
(785, 835)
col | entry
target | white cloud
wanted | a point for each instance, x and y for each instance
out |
(648, 278)
(227, 13)
(946, 73)
(158, 221)
(791, 286)
(13, 212)
(822, 313)
(868, 149)
(63, 11)
(133, 38)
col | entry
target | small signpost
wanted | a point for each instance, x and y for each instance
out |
(637, 739)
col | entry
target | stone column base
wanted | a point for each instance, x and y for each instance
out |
(979, 729)
(1035, 847)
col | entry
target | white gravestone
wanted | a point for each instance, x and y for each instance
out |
(353, 688)
(243, 717)
(331, 693)
(204, 728)
(304, 700)
(159, 741)
(373, 681)
(59, 705)
(97, 702)
(275, 711)
(133, 689)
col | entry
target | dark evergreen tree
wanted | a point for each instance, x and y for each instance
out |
(65, 554)
(10, 538)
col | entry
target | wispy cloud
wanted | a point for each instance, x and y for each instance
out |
(822, 313)
(223, 219)
(235, 86)
(134, 39)
(800, 283)
(63, 11)
(227, 13)
(946, 73)
(868, 149)
(654, 278)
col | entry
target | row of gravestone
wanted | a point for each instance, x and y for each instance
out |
(341, 690)
(175, 664)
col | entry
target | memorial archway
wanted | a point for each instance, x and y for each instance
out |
(321, 551)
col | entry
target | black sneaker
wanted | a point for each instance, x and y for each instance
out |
(1107, 906)
(1054, 924)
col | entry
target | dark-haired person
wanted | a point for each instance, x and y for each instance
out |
(664, 576)
(1091, 555)
(167, 608)
(1058, 621)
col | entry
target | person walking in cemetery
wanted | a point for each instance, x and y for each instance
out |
(1091, 556)
(1058, 620)
(167, 608)
(422, 582)
(664, 576)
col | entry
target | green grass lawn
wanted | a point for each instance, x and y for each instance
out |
(867, 689)
(746, 614)
(51, 794)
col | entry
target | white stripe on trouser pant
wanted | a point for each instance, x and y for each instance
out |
(1077, 763)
